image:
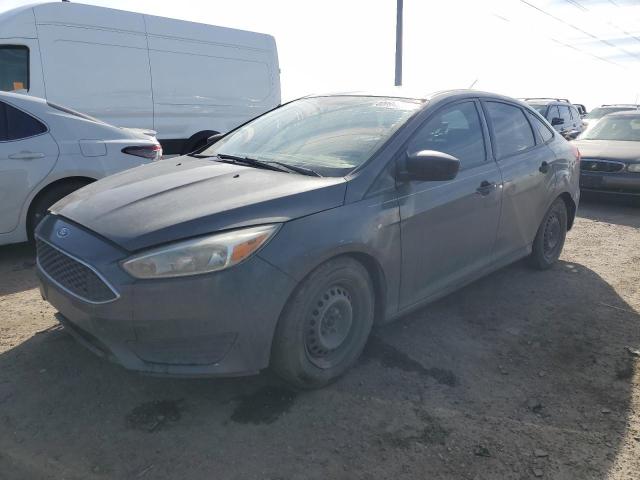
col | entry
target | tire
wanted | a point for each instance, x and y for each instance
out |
(325, 325)
(39, 208)
(550, 237)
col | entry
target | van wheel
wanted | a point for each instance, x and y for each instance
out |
(325, 325)
(45, 200)
(550, 238)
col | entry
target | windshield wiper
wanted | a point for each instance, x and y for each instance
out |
(298, 169)
(269, 164)
(252, 162)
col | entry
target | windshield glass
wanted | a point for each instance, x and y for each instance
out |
(615, 128)
(330, 135)
(602, 111)
(541, 109)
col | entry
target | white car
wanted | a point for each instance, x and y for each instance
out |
(48, 151)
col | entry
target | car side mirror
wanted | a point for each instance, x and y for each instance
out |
(557, 121)
(214, 138)
(430, 165)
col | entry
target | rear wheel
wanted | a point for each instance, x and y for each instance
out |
(325, 324)
(44, 201)
(550, 238)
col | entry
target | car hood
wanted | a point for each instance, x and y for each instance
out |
(609, 149)
(184, 197)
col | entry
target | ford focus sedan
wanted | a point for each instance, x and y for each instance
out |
(284, 242)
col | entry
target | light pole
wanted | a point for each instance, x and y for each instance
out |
(399, 43)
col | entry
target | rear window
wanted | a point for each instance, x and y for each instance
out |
(73, 112)
(14, 68)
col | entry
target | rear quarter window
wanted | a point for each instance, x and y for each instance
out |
(18, 124)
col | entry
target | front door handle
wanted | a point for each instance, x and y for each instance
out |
(544, 167)
(486, 188)
(26, 156)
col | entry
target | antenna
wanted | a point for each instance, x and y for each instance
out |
(474, 82)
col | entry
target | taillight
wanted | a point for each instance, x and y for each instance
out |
(152, 152)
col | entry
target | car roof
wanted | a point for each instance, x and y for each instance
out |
(21, 98)
(412, 94)
(625, 113)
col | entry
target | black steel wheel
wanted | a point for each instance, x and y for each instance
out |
(325, 324)
(550, 237)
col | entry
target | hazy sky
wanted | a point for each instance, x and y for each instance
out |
(585, 50)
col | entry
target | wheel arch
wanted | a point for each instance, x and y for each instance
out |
(51, 186)
(571, 208)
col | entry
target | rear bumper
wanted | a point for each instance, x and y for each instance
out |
(620, 183)
(218, 324)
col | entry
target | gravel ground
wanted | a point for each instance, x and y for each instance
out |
(523, 374)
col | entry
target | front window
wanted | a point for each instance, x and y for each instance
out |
(14, 68)
(329, 135)
(615, 128)
(600, 112)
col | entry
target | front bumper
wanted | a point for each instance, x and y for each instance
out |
(626, 183)
(218, 324)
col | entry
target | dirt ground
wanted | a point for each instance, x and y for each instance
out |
(521, 375)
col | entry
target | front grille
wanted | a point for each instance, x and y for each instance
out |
(603, 166)
(72, 275)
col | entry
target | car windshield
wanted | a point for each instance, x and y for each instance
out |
(600, 112)
(625, 128)
(330, 135)
(541, 109)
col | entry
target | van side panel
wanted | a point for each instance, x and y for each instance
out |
(207, 77)
(96, 63)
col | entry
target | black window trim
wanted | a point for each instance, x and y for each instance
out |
(45, 132)
(486, 100)
(403, 151)
(26, 47)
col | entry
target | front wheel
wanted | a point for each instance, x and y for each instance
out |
(325, 325)
(550, 238)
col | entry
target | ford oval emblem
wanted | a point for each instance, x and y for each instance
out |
(64, 232)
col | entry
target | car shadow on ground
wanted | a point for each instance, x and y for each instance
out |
(17, 262)
(522, 373)
(619, 210)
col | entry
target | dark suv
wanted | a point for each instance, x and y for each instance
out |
(561, 113)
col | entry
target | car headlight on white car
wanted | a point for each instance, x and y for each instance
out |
(199, 255)
(634, 167)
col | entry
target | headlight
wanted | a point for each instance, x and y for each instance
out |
(634, 167)
(199, 255)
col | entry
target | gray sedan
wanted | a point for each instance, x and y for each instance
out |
(611, 155)
(284, 242)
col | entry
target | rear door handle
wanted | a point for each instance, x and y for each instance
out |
(486, 188)
(544, 167)
(26, 156)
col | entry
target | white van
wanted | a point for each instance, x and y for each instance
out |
(184, 80)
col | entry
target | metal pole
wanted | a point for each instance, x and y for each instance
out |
(399, 43)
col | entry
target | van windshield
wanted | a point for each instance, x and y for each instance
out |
(330, 135)
(14, 68)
